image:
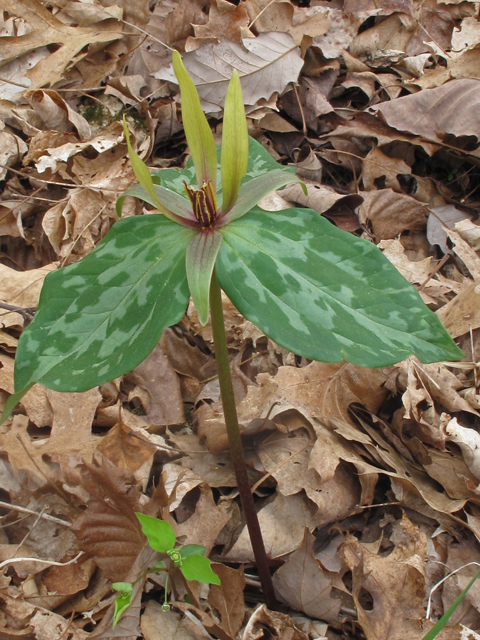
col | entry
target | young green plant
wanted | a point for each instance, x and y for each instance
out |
(318, 291)
(189, 559)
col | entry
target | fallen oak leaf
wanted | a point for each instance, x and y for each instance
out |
(47, 30)
(265, 64)
(302, 584)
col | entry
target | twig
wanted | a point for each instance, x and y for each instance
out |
(304, 124)
(26, 313)
(49, 562)
(262, 11)
(27, 535)
(272, 471)
(44, 516)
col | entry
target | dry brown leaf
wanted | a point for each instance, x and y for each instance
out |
(283, 522)
(204, 526)
(465, 252)
(224, 20)
(378, 166)
(12, 150)
(462, 313)
(57, 114)
(179, 22)
(263, 620)
(395, 583)
(21, 289)
(285, 456)
(319, 391)
(304, 585)
(166, 625)
(391, 213)
(266, 64)
(35, 401)
(284, 16)
(227, 598)
(385, 8)
(435, 113)
(158, 389)
(48, 29)
(127, 450)
(25, 620)
(320, 198)
(108, 531)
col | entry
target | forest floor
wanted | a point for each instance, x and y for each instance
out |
(367, 481)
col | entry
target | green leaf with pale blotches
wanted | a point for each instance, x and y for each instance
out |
(196, 567)
(160, 534)
(253, 191)
(326, 294)
(202, 252)
(197, 130)
(234, 158)
(103, 315)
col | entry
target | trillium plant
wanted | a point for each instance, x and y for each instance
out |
(314, 289)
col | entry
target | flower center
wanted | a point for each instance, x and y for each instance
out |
(203, 202)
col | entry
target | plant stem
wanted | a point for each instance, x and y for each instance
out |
(235, 441)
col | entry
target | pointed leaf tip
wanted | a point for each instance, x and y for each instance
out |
(160, 534)
(143, 176)
(234, 143)
(197, 130)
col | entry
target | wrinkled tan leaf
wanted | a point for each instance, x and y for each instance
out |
(125, 448)
(49, 30)
(282, 625)
(205, 524)
(435, 113)
(158, 389)
(396, 584)
(265, 64)
(227, 598)
(303, 585)
(224, 20)
(462, 313)
(285, 17)
(283, 522)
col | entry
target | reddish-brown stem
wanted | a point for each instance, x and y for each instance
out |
(235, 441)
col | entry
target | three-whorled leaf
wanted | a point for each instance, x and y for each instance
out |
(325, 294)
(102, 316)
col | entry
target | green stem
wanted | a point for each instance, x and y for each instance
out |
(235, 441)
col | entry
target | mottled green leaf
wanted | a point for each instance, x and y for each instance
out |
(253, 191)
(202, 252)
(198, 568)
(324, 293)
(190, 549)
(101, 317)
(234, 143)
(160, 534)
(197, 130)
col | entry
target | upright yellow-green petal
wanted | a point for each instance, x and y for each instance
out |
(143, 176)
(234, 143)
(197, 130)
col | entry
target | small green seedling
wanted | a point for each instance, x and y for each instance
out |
(318, 291)
(189, 559)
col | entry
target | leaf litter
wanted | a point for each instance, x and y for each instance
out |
(366, 480)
